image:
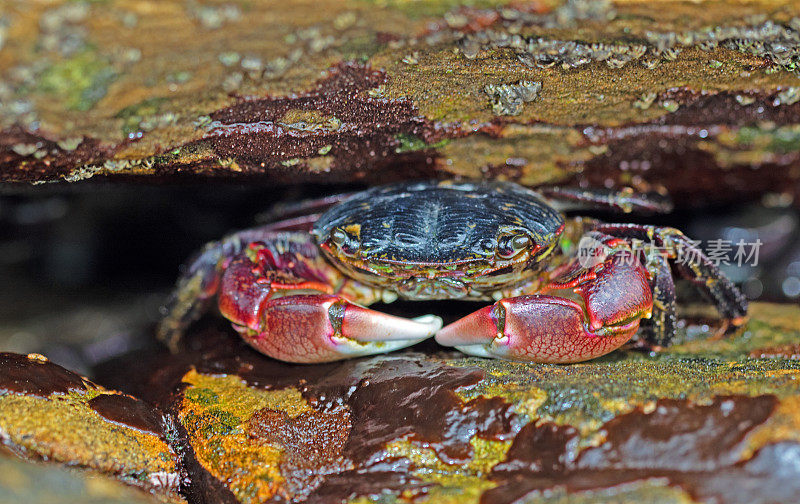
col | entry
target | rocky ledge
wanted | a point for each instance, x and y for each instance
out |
(701, 100)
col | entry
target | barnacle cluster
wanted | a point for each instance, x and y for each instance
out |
(508, 99)
(88, 171)
(767, 39)
(546, 53)
(301, 43)
(213, 17)
(39, 150)
(276, 128)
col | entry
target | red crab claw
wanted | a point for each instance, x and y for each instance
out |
(552, 329)
(324, 328)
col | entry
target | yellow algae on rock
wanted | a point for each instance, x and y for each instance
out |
(52, 414)
(783, 425)
(215, 412)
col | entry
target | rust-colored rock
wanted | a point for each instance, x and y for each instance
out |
(699, 102)
(701, 420)
(48, 413)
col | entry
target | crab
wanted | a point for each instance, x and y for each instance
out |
(563, 289)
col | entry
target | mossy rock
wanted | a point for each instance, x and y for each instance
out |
(701, 101)
(705, 419)
(48, 413)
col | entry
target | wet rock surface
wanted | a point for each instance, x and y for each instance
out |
(25, 483)
(700, 101)
(702, 421)
(50, 414)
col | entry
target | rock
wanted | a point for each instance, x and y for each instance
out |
(699, 421)
(26, 483)
(51, 414)
(701, 102)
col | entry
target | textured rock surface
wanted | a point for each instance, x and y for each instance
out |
(700, 98)
(707, 419)
(48, 413)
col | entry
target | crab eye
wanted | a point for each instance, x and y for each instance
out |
(510, 246)
(338, 237)
(343, 241)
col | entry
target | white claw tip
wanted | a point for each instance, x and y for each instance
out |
(433, 321)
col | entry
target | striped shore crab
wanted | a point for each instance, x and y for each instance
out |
(564, 289)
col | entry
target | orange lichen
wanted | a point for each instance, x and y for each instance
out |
(215, 411)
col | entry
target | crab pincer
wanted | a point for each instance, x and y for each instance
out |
(544, 328)
(324, 328)
(297, 322)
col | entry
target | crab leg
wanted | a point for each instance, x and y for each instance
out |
(615, 295)
(285, 305)
(287, 301)
(672, 244)
(730, 302)
(569, 198)
(199, 282)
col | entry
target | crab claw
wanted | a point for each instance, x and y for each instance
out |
(533, 329)
(324, 328)
(553, 329)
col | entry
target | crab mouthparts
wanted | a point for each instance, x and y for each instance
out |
(421, 288)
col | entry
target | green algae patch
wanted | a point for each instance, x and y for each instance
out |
(450, 482)
(753, 146)
(486, 453)
(80, 81)
(777, 140)
(240, 400)
(215, 412)
(411, 143)
(64, 428)
(144, 116)
(586, 395)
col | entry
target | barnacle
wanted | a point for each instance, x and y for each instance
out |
(508, 99)
(764, 38)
